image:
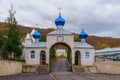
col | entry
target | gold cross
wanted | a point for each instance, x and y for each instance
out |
(36, 25)
(59, 9)
(83, 25)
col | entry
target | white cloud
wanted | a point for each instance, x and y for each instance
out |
(99, 16)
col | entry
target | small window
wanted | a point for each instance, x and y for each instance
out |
(87, 55)
(32, 54)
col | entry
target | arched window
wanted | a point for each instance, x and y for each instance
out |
(87, 55)
(32, 55)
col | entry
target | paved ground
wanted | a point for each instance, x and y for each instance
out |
(60, 65)
(60, 71)
(27, 76)
(73, 76)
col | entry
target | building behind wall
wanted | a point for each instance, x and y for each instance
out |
(107, 54)
(36, 51)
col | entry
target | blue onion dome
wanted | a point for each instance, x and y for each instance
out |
(83, 34)
(36, 34)
(59, 21)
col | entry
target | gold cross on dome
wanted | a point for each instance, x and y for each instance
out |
(83, 25)
(59, 9)
(36, 25)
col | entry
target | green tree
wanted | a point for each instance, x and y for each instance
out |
(76, 39)
(43, 38)
(52, 53)
(68, 55)
(13, 47)
(3, 39)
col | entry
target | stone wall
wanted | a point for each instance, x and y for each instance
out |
(84, 69)
(35, 68)
(99, 67)
(108, 67)
(10, 67)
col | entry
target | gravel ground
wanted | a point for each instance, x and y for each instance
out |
(27, 76)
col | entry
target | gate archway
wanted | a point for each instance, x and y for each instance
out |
(60, 45)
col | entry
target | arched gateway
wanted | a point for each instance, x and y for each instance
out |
(81, 53)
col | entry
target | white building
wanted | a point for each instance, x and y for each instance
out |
(39, 52)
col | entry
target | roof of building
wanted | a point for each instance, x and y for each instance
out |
(108, 51)
(59, 31)
(82, 45)
(37, 45)
(44, 45)
(28, 36)
(33, 30)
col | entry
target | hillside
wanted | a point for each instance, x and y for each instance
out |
(96, 41)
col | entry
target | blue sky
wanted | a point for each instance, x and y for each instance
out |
(101, 17)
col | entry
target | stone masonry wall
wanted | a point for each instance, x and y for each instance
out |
(10, 67)
(99, 67)
(108, 67)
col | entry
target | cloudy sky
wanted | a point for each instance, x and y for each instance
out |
(101, 17)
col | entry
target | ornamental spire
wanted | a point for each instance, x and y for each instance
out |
(59, 9)
(83, 34)
(83, 25)
(36, 26)
(59, 21)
